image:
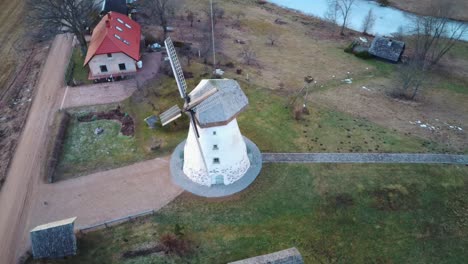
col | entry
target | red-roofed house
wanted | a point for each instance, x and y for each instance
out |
(114, 48)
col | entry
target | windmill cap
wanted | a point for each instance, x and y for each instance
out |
(222, 107)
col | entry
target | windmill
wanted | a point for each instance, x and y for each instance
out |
(215, 151)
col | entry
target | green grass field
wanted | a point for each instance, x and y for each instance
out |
(75, 70)
(331, 213)
(267, 122)
(85, 152)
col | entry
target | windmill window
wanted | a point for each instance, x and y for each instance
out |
(216, 161)
(215, 147)
(214, 133)
(122, 67)
(103, 68)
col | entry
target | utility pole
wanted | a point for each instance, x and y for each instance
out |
(212, 35)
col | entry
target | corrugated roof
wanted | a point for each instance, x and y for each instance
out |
(386, 48)
(115, 33)
(221, 107)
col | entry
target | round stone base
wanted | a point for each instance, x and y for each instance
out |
(221, 190)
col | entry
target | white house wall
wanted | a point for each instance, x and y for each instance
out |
(112, 64)
(231, 152)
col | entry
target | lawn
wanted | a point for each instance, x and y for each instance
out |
(266, 121)
(85, 152)
(331, 213)
(76, 72)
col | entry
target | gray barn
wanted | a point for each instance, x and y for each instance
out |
(387, 49)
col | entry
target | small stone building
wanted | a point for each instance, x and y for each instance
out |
(287, 256)
(387, 49)
(114, 48)
(54, 240)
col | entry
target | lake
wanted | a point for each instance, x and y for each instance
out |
(388, 19)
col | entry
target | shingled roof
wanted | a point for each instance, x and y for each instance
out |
(387, 48)
(115, 33)
(221, 107)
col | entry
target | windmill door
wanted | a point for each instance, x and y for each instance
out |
(219, 179)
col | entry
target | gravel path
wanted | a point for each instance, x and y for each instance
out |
(364, 158)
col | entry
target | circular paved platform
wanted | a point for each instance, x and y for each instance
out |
(180, 179)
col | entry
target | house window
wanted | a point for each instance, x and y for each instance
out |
(216, 161)
(214, 133)
(215, 147)
(109, 55)
(103, 68)
(122, 67)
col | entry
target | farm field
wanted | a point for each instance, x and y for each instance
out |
(344, 213)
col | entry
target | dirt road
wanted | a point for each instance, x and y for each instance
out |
(25, 170)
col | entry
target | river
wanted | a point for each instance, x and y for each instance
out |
(388, 19)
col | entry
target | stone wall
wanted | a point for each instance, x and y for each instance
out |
(288, 256)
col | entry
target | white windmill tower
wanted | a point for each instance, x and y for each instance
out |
(215, 151)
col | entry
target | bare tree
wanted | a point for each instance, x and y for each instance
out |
(433, 36)
(339, 9)
(248, 55)
(272, 38)
(160, 11)
(331, 15)
(238, 15)
(369, 21)
(344, 8)
(191, 17)
(73, 16)
(218, 13)
(410, 80)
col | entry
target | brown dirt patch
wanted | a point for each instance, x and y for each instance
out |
(435, 107)
(128, 126)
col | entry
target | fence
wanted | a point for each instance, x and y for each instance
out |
(114, 222)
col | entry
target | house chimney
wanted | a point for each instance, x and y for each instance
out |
(109, 15)
(390, 43)
(107, 23)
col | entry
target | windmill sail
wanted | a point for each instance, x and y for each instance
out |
(170, 115)
(176, 68)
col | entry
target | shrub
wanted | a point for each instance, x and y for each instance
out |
(149, 39)
(173, 244)
(350, 47)
(383, 2)
(363, 55)
(230, 65)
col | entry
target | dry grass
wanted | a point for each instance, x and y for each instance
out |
(420, 7)
(11, 30)
(305, 45)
